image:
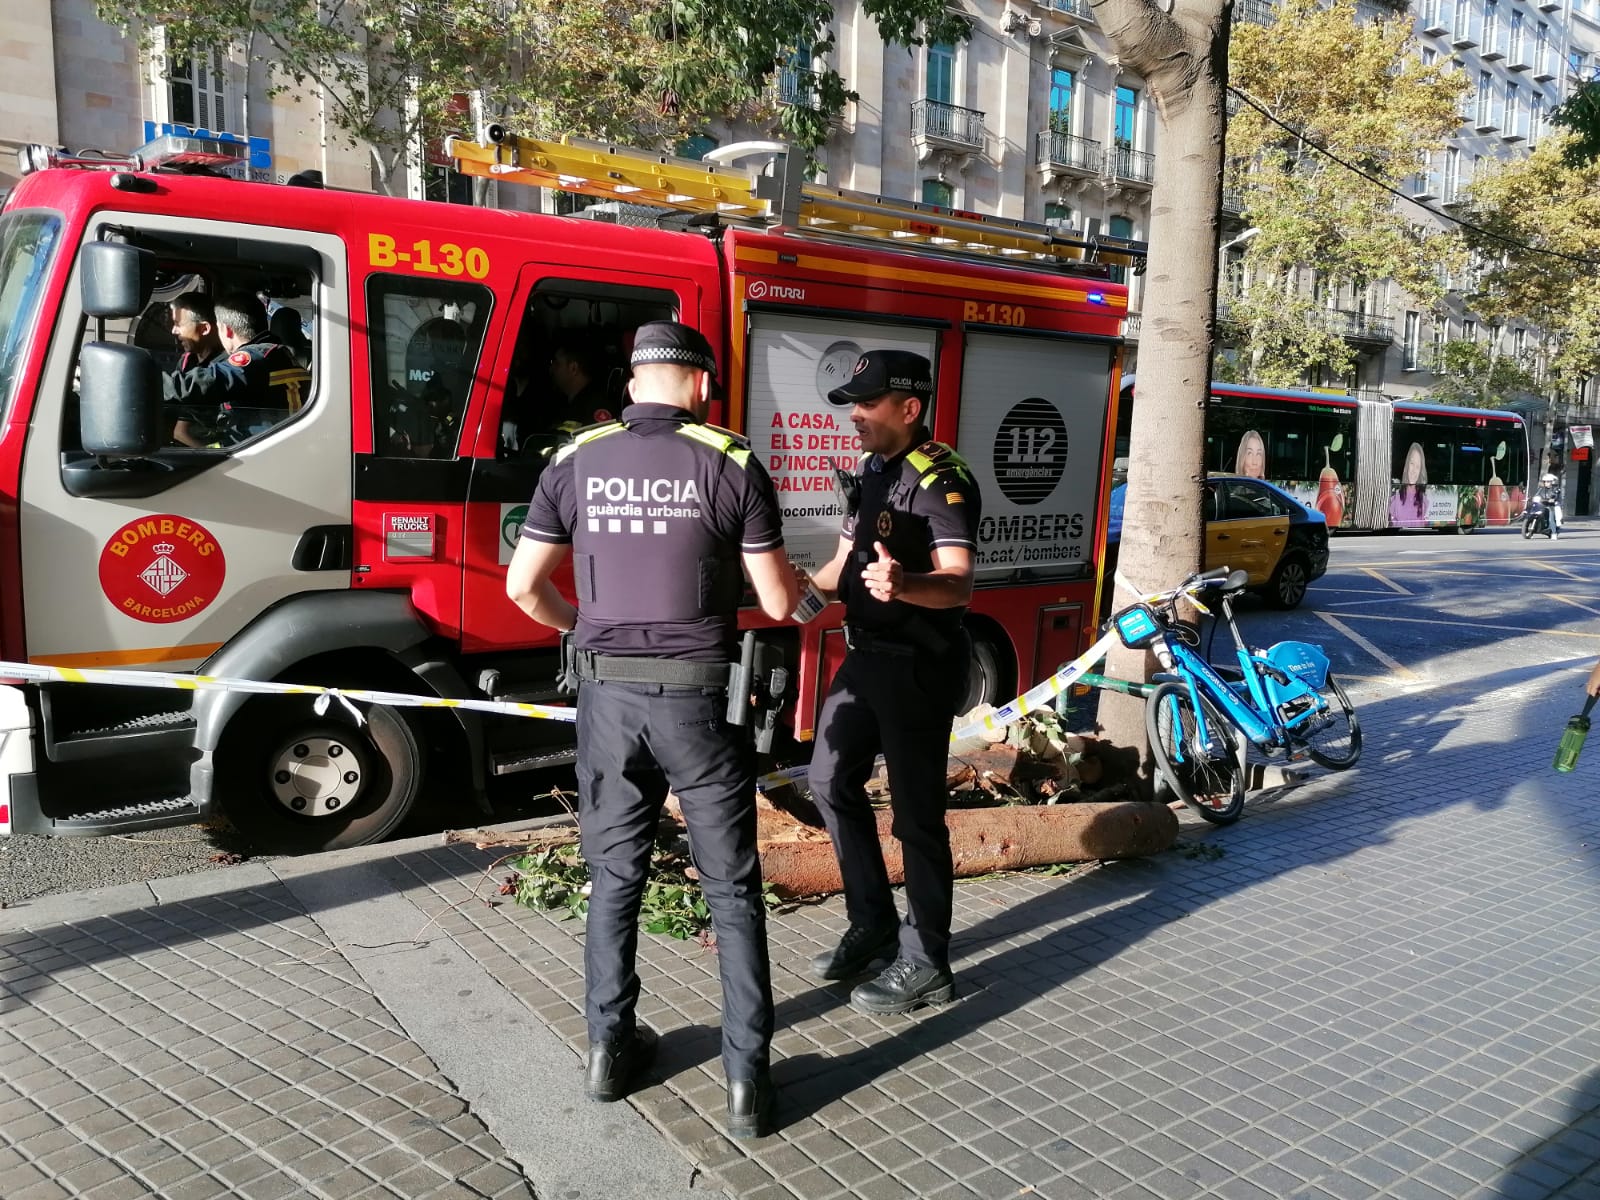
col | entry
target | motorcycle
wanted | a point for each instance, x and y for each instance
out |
(1537, 519)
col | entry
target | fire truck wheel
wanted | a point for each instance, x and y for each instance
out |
(986, 680)
(299, 783)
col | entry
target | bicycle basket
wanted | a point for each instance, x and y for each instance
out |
(1137, 626)
(1302, 660)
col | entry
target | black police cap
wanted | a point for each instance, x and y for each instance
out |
(672, 342)
(880, 371)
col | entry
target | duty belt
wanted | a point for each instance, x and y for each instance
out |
(876, 643)
(674, 672)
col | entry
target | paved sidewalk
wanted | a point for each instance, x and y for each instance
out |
(1379, 984)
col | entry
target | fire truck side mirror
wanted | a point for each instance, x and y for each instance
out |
(119, 401)
(117, 279)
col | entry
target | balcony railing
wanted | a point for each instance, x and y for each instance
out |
(1356, 326)
(1074, 8)
(1254, 12)
(1055, 149)
(797, 87)
(1233, 201)
(1128, 163)
(934, 120)
(1131, 324)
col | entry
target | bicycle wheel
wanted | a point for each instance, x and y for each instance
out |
(1212, 783)
(1334, 739)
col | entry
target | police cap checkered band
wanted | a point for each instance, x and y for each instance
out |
(880, 371)
(671, 342)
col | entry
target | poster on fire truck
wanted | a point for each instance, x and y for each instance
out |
(1033, 413)
(794, 363)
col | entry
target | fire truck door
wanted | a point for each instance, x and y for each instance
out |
(561, 366)
(164, 559)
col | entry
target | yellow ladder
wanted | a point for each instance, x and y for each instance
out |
(632, 176)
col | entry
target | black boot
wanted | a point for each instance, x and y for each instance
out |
(614, 1066)
(750, 1104)
(903, 986)
(860, 946)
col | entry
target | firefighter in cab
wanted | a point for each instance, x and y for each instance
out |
(659, 511)
(254, 385)
(904, 569)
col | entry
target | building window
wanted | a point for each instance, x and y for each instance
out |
(1491, 26)
(697, 146)
(1462, 26)
(1429, 56)
(1517, 27)
(937, 191)
(1485, 97)
(1058, 216)
(1513, 108)
(1452, 173)
(1061, 101)
(197, 91)
(1541, 47)
(1535, 117)
(1469, 331)
(942, 72)
(1440, 332)
(1408, 360)
(1125, 124)
(1519, 344)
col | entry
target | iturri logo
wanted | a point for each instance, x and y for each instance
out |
(511, 518)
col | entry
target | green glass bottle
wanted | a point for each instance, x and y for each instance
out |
(1572, 738)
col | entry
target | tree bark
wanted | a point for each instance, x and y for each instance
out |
(1183, 57)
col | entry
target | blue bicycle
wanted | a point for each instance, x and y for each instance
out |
(1282, 700)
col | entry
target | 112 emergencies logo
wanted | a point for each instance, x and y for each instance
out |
(162, 568)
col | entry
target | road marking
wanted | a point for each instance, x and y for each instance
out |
(1386, 598)
(1475, 625)
(1398, 668)
(1552, 567)
(1388, 583)
(1574, 603)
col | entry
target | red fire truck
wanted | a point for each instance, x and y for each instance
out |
(359, 538)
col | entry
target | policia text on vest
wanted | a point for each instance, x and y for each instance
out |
(660, 512)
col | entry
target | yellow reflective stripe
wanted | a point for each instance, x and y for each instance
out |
(919, 462)
(717, 441)
(597, 431)
(740, 456)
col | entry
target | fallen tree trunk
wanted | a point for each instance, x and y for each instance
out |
(984, 840)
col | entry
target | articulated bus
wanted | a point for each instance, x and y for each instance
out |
(1366, 464)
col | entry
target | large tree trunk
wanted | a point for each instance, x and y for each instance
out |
(1183, 56)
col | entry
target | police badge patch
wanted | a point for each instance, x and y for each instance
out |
(885, 523)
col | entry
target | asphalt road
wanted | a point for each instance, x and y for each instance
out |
(1400, 612)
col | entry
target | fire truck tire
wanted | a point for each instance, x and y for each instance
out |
(987, 679)
(295, 783)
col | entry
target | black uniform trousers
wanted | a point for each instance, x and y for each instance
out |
(901, 706)
(635, 740)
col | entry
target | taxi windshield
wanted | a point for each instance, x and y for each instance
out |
(27, 244)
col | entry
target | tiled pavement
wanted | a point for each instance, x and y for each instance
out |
(1380, 984)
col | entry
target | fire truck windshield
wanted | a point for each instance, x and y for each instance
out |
(27, 244)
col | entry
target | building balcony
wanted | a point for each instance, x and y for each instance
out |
(1130, 326)
(1254, 12)
(950, 126)
(1058, 151)
(1358, 327)
(1233, 201)
(797, 87)
(1424, 185)
(1078, 9)
(1134, 166)
(1434, 21)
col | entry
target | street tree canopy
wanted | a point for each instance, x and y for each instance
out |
(1536, 243)
(626, 70)
(1580, 115)
(1474, 375)
(1325, 77)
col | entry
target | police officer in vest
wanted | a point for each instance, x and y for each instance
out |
(659, 510)
(255, 385)
(904, 570)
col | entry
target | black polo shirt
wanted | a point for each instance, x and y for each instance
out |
(668, 501)
(919, 499)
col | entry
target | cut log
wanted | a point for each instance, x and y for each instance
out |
(983, 840)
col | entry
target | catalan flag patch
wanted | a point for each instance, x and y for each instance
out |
(954, 498)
